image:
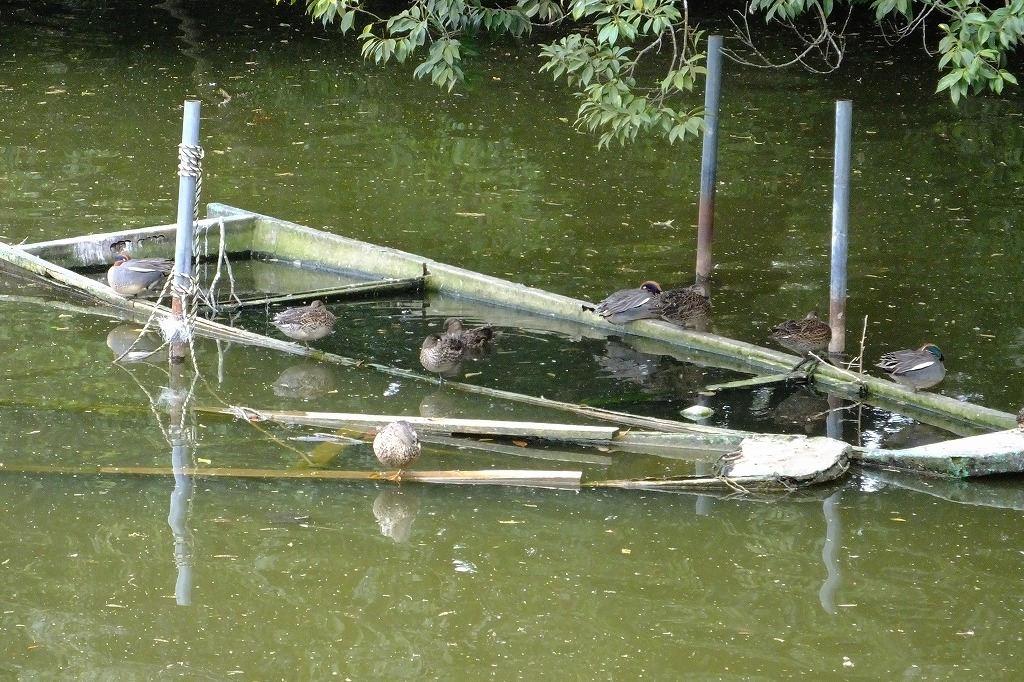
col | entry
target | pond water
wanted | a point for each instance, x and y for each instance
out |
(881, 576)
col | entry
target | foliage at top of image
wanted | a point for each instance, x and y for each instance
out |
(605, 41)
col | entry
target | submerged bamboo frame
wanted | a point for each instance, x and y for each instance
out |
(271, 238)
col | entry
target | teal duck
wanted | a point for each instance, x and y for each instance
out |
(685, 306)
(915, 369)
(474, 339)
(803, 336)
(130, 277)
(306, 323)
(629, 304)
(441, 354)
(397, 447)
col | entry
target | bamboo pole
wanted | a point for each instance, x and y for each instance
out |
(984, 455)
(377, 287)
(563, 480)
(488, 427)
(757, 382)
(516, 451)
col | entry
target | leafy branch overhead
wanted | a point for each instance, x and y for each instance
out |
(605, 42)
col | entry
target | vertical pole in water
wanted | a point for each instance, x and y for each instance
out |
(181, 437)
(840, 226)
(186, 219)
(709, 163)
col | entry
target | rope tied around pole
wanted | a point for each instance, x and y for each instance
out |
(190, 165)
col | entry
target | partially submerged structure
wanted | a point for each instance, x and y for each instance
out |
(743, 460)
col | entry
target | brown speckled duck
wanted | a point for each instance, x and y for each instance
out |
(807, 335)
(130, 277)
(397, 447)
(441, 354)
(475, 339)
(630, 304)
(685, 306)
(306, 323)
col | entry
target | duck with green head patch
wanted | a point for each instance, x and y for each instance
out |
(131, 277)
(915, 369)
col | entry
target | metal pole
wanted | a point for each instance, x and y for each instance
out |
(186, 219)
(840, 226)
(709, 162)
(181, 437)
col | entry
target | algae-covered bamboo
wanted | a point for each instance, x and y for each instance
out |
(569, 480)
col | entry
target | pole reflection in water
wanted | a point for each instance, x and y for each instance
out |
(830, 552)
(833, 526)
(177, 519)
(181, 438)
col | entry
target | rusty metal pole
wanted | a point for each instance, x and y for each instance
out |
(840, 226)
(709, 163)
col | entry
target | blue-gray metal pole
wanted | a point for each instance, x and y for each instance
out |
(709, 163)
(840, 226)
(186, 219)
(181, 440)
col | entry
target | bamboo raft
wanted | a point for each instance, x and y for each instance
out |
(757, 459)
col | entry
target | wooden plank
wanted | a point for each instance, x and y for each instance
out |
(991, 453)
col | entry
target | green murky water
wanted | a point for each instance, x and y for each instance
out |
(881, 577)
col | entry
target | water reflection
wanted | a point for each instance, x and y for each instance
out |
(395, 511)
(658, 374)
(304, 381)
(129, 344)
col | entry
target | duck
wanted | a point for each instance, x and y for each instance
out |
(684, 306)
(803, 336)
(306, 323)
(397, 446)
(628, 305)
(131, 277)
(474, 339)
(915, 369)
(441, 353)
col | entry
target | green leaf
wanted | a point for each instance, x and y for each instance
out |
(949, 80)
